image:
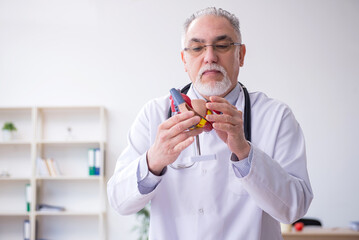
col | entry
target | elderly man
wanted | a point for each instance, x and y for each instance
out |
(245, 181)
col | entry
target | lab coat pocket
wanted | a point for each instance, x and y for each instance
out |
(235, 185)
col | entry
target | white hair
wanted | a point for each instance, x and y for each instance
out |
(233, 20)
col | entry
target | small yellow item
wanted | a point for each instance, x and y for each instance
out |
(203, 121)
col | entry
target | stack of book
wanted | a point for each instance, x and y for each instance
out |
(47, 167)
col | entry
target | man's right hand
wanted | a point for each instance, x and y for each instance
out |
(172, 138)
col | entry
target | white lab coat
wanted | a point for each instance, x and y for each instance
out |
(209, 200)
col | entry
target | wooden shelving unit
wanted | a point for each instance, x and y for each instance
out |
(64, 134)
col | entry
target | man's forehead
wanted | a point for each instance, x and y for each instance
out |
(209, 29)
(223, 37)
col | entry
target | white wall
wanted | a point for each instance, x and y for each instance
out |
(122, 53)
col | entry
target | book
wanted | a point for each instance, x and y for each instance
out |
(26, 230)
(50, 163)
(28, 197)
(47, 166)
(55, 167)
(91, 161)
(50, 208)
(97, 161)
(42, 169)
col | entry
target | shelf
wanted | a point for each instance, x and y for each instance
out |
(69, 227)
(15, 179)
(14, 213)
(67, 213)
(69, 108)
(15, 109)
(15, 160)
(21, 117)
(16, 142)
(56, 142)
(11, 226)
(71, 178)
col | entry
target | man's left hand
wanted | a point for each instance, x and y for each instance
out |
(229, 126)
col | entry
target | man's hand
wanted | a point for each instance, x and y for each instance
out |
(229, 126)
(172, 138)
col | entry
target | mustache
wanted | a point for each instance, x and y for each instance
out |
(212, 66)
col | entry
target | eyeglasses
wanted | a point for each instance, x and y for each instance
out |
(197, 48)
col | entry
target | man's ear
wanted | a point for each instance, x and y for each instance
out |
(242, 54)
(184, 61)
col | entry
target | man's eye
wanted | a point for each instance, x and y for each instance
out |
(222, 46)
(197, 49)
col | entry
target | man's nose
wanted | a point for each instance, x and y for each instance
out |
(210, 55)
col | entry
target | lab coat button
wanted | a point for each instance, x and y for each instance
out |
(204, 171)
(200, 211)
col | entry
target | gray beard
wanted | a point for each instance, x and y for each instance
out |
(212, 89)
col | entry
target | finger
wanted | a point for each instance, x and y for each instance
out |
(184, 144)
(177, 140)
(226, 127)
(183, 136)
(176, 119)
(225, 118)
(224, 107)
(218, 99)
(183, 126)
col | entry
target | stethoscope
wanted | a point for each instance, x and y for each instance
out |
(246, 125)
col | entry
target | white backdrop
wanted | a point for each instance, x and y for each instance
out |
(122, 53)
